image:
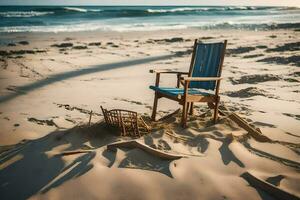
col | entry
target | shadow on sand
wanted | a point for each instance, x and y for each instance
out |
(21, 90)
(36, 166)
(138, 159)
(30, 168)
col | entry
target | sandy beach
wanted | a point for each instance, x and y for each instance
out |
(49, 82)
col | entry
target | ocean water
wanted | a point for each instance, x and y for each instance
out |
(143, 18)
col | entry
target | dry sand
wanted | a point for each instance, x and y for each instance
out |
(48, 87)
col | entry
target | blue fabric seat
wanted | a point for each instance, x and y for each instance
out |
(177, 91)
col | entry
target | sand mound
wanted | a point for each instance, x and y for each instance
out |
(216, 155)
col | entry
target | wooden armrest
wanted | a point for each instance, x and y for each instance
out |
(201, 78)
(166, 72)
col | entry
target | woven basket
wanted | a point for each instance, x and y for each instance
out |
(126, 121)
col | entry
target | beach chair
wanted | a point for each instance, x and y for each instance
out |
(200, 84)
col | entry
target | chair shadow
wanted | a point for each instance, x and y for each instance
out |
(82, 165)
(29, 168)
(21, 90)
(228, 156)
(200, 142)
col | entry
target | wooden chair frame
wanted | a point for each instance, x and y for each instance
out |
(188, 100)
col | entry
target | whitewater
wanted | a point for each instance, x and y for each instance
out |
(143, 18)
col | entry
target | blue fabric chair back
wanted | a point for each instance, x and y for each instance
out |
(207, 63)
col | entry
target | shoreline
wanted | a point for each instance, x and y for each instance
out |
(271, 27)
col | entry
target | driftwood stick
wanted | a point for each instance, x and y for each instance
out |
(252, 131)
(277, 192)
(169, 115)
(66, 153)
(144, 124)
(91, 113)
(255, 133)
(175, 136)
(136, 144)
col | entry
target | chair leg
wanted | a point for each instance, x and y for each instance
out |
(188, 107)
(184, 114)
(154, 107)
(216, 108)
(191, 108)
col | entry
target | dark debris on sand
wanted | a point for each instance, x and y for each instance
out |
(182, 53)
(11, 45)
(297, 117)
(71, 108)
(94, 44)
(294, 60)
(295, 74)
(291, 80)
(293, 46)
(239, 50)
(42, 122)
(68, 39)
(20, 52)
(253, 55)
(79, 47)
(247, 92)
(253, 79)
(112, 44)
(24, 42)
(62, 45)
(261, 46)
(175, 39)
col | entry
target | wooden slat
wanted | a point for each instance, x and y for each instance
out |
(201, 78)
(252, 131)
(173, 135)
(175, 98)
(276, 192)
(166, 71)
(136, 144)
(199, 98)
(255, 133)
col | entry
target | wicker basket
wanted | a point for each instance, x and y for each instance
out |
(127, 122)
